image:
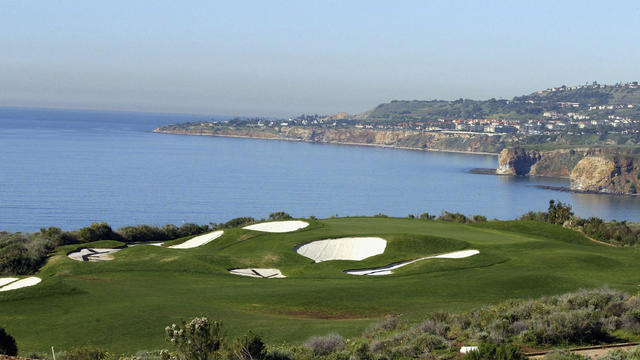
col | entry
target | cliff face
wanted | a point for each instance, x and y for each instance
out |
(556, 163)
(516, 161)
(619, 175)
(394, 138)
(591, 170)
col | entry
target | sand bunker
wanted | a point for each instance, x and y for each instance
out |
(198, 240)
(349, 248)
(13, 285)
(259, 273)
(5, 281)
(278, 226)
(386, 270)
(92, 254)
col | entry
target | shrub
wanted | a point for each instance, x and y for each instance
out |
(433, 327)
(489, 351)
(563, 327)
(279, 215)
(631, 320)
(86, 353)
(97, 231)
(362, 352)
(325, 345)
(453, 217)
(479, 218)
(7, 344)
(534, 216)
(633, 354)
(249, 347)
(427, 216)
(381, 215)
(238, 222)
(563, 355)
(200, 339)
(389, 323)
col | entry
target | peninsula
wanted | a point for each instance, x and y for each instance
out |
(560, 132)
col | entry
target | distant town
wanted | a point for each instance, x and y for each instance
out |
(584, 109)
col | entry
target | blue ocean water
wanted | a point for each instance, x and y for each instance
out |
(69, 168)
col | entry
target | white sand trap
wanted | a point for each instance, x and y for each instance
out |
(259, 273)
(349, 248)
(278, 226)
(198, 240)
(7, 280)
(386, 270)
(30, 281)
(92, 254)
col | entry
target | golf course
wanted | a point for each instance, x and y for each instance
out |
(123, 304)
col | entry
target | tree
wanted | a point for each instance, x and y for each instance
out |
(559, 212)
(7, 344)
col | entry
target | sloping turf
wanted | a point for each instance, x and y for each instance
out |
(123, 305)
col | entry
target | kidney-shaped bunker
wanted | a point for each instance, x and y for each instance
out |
(349, 248)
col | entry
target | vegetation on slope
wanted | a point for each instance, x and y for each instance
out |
(122, 305)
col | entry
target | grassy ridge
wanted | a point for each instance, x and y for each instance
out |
(124, 304)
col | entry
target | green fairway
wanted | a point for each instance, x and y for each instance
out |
(123, 305)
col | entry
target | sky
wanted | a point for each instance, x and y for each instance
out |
(282, 58)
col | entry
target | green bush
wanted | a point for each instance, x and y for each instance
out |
(325, 345)
(563, 355)
(86, 353)
(279, 215)
(490, 351)
(453, 217)
(249, 347)
(199, 339)
(7, 344)
(427, 216)
(97, 231)
(238, 222)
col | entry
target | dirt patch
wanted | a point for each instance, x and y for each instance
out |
(169, 259)
(243, 237)
(270, 258)
(325, 314)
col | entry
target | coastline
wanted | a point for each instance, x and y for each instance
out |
(334, 143)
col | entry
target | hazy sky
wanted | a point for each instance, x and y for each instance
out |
(288, 57)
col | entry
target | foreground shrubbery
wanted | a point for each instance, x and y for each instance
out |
(24, 254)
(7, 344)
(579, 318)
(615, 232)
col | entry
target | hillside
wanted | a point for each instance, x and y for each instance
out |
(579, 100)
(124, 304)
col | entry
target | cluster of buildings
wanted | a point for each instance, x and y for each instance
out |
(594, 85)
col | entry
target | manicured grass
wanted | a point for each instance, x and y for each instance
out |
(123, 305)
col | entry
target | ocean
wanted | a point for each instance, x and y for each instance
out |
(69, 168)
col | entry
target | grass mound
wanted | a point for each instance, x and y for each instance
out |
(119, 305)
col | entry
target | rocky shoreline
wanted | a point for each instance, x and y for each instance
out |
(265, 136)
(589, 170)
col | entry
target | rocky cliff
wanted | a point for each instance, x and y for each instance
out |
(617, 174)
(411, 139)
(589, 170)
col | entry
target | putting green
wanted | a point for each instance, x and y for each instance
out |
(123, 305)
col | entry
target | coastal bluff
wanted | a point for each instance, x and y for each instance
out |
(588, 169)
(397, 138)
